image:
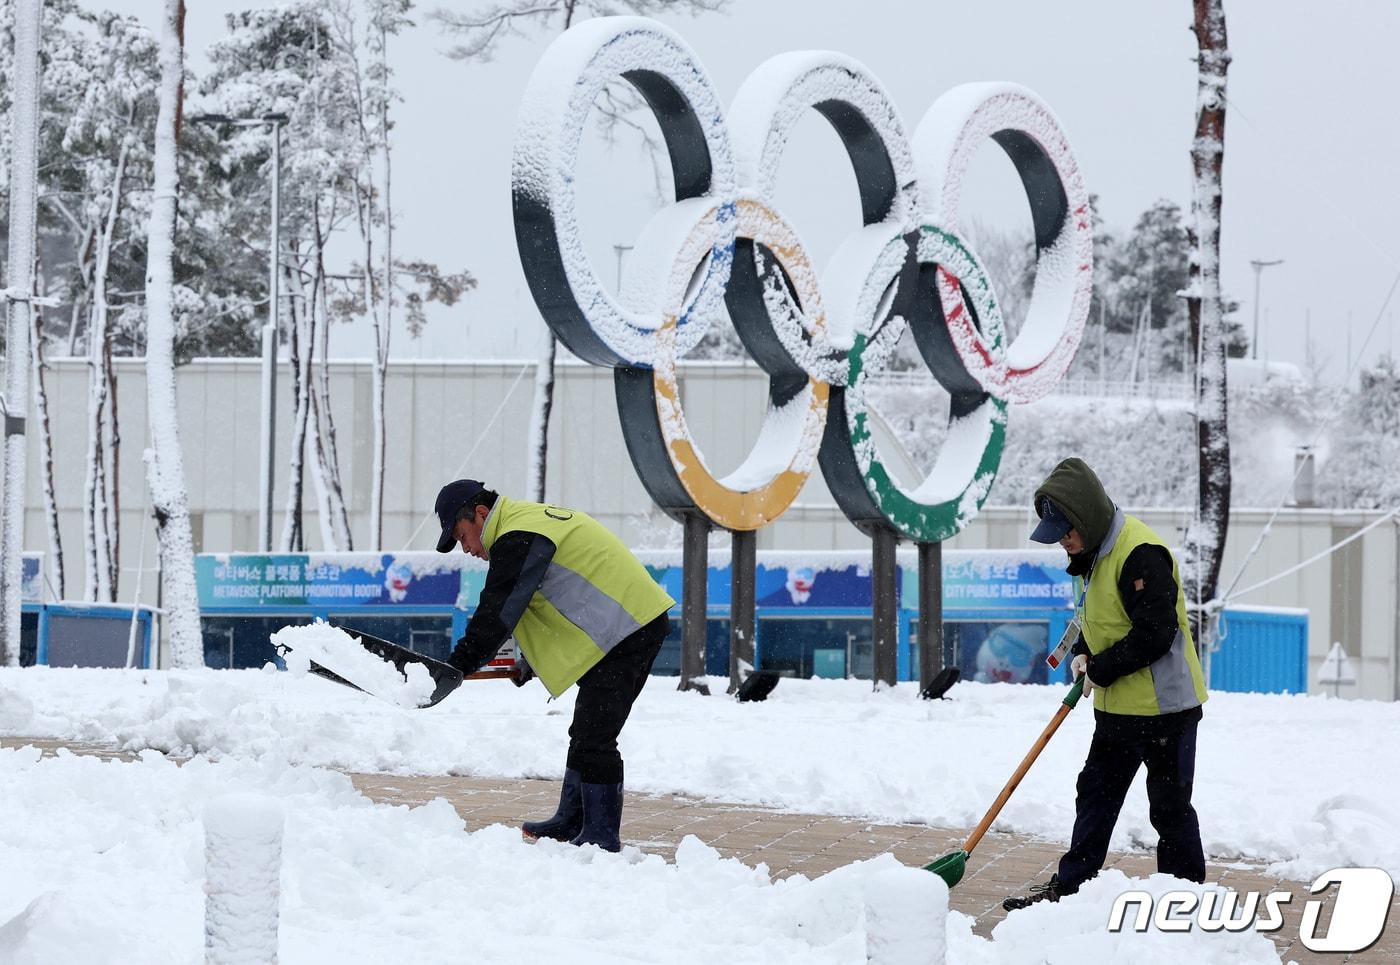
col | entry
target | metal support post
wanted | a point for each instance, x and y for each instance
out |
(930, 612)
(742, 567)
(695, 574)
(884, 605)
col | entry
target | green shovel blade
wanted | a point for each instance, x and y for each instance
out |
(950, 867)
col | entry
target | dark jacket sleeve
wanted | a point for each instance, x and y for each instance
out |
(518, 564)
(1148, 591)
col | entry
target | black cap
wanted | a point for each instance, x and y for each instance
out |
(1054, 524)
(451, 498)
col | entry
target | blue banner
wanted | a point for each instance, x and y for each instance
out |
(330, 580)
(998, 580)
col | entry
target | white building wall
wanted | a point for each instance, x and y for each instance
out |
(453, 419)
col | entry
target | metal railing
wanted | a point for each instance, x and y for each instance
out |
(1091, 388)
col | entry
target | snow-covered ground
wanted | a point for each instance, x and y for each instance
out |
(105, 859)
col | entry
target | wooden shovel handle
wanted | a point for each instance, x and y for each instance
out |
(503, 673)
(1065, 707)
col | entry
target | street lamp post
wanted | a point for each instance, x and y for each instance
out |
(621, 250)
(1258, 267)
(268, 436)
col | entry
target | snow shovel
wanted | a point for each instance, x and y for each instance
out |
(951, 866)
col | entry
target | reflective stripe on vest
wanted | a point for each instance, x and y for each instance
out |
(1173, 682)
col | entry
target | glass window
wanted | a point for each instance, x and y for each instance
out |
(238, 643)
(817, 646)
(91, 639)
(668, 661)
(949, 656)
(28, 639)
(1010, 651)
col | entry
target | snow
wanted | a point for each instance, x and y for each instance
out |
(104, 864)
(1073, 931)
(243, 868)
(830, 747)
(340, 653)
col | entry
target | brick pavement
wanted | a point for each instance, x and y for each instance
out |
(793, 843)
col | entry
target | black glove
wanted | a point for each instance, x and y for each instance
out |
(469, 659)
(524, 673)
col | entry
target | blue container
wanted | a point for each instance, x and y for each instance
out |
(1261, 651)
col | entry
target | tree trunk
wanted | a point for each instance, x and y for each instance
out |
(381, 361)
(111, 478)
(335, 521)
(24, 140)
(97, 528)
(538, 456)
(376, 298)
(87, 238)
(165, 467)
(41, 406)
(1205, 538)
(299, 359)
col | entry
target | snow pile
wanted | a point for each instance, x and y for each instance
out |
(243, 864)
(104, 864)
(1305, 782)
(337, 651)
(1075, 930)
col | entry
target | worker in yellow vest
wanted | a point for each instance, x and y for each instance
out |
(584, 611)
(1138, 661)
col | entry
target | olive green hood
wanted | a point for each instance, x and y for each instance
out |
(1076, 490)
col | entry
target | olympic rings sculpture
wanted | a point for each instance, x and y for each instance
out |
(721, 246)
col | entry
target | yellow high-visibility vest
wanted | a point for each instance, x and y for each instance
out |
(1174, 682)
(594, 593)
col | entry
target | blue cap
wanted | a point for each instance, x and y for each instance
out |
(1054, 524)
(451, 498)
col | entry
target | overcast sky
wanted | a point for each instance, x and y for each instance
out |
(1311, 145)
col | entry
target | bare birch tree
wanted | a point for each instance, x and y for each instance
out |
(1205, 538)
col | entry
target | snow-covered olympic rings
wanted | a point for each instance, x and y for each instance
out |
(722, 246)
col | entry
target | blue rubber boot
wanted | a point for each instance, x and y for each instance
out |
(568, 820)
(602, 816)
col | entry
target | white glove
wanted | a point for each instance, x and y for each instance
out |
(1079, 667)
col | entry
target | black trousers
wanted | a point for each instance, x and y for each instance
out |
(605, 698)
(1167, 745)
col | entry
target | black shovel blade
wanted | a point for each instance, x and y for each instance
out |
(446, 677)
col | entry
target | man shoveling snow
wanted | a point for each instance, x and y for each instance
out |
(1137, 658)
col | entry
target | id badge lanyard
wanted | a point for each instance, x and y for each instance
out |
(1081, 589)
(1075, 628)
